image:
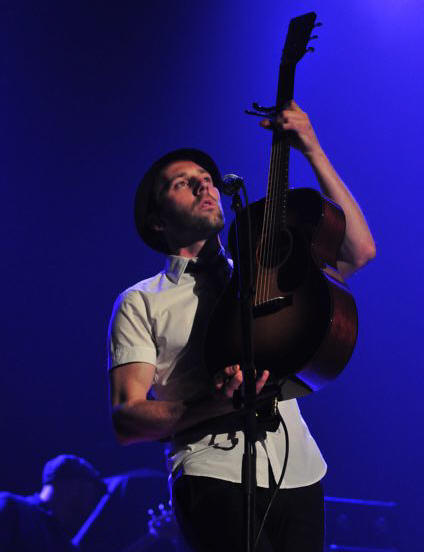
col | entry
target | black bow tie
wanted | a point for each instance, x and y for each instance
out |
(217, 267)
(195, 268)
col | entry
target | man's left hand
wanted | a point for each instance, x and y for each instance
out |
(296, 123)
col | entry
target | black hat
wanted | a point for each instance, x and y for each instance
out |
(144, 203)
(69, 466)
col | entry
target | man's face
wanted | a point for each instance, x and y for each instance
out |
(190, 206)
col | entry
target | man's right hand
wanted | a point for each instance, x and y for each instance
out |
(136, 418)
(230, 379)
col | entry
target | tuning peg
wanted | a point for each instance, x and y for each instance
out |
(314, 37)
(319, 24)
(262, 108)
(310, 49)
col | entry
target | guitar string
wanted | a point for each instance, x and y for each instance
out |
(261, 280)
(260, 252)
(271, 224)
(268, 254)
(280, 198)
(276, 203)
(284, 191)
(267, 242)
(257, 252)
(276, 206)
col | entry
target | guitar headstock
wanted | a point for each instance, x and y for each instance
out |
(295, 47)
(298, 37)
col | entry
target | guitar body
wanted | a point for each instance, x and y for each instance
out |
(304, 317)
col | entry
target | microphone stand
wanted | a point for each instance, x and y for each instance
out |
(248, 396)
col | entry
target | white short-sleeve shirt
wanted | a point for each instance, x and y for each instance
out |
(162, 321)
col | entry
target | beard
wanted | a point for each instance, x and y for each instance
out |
(189, 227)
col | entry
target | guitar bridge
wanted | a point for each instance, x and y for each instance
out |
(272, 305)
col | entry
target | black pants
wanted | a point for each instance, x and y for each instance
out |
(210, 514)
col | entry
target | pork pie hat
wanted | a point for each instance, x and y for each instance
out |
(144, 197)
(69, 466)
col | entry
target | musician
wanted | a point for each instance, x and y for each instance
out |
(155, 343)
(47, 520)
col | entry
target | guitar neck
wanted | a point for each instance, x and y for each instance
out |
(278, 179)
(275, 217)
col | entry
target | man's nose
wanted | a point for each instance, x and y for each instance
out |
(200, 186)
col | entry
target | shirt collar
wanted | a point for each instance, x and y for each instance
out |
(175, 267)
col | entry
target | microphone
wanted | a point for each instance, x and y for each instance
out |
(231, 184)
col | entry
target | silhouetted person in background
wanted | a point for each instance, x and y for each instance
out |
(46, 521)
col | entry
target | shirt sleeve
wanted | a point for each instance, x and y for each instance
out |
(130, 336)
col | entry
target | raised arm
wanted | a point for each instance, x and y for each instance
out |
(358, 246)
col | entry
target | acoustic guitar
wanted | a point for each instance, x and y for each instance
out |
(304, 316)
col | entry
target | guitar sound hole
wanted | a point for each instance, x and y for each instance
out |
(271, 253)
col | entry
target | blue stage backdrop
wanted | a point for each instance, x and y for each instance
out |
(92, 93)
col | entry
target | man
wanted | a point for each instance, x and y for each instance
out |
(155, 346)
(46, 521)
